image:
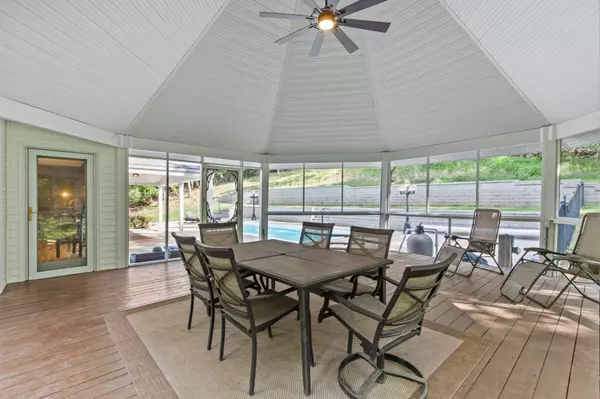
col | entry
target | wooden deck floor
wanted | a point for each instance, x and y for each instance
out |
(54, 342)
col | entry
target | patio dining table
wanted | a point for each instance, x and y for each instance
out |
(304, 269)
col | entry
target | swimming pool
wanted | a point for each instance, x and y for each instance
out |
(280, 232)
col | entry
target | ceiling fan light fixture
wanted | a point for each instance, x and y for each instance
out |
(326, 20)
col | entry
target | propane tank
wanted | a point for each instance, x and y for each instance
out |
(420, 243)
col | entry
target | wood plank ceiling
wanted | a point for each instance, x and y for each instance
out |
(206, 72)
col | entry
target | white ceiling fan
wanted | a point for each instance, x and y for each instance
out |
(329, 18)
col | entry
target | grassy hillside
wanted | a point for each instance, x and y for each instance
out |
(524, 168)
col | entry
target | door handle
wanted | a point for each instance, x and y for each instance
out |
(30, 213)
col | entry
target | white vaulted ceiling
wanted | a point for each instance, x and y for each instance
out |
(207, 73)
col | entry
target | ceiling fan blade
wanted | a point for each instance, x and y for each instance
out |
(317, 44)
(312, 4)
(282, 15)
(348, 44)
(293, 35)
(358, 6)
(366, 25)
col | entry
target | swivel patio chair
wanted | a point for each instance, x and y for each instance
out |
(363, 241)
(224, 235)
(250, 314)
(381, 327)
(316, 235)
(583, 262)
(482, 241)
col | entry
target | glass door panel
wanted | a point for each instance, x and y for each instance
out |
(59, 213)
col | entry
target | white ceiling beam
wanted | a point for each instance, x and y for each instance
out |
(22, 113)
(579, 125)
(497, 141)
(186, 149)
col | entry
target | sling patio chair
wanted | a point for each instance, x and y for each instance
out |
(363, 241)
(381, 327)
(249, 313)
(201, 286)
(224, 235)
(482, 241)
(316, 235)
(583, 262)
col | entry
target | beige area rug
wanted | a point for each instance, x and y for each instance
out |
(156, 336)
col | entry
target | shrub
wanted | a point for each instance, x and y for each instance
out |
(142, 195)
(139, 221)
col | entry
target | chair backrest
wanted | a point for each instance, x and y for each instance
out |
(486, 224)
(191, 261)
(587, 244)
(316, 234)
(218, 234)
(221, 265)
(410, 300)
(370, 242)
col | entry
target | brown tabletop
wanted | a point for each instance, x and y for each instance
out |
(303, 268)
(312, 267)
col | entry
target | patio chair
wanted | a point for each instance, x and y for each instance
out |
(224, 235)
(200, 285)
(583, 262)
(381, 327)
(482, 241)
(363, 241)
(189, 217)
(218, 234)
(250, 314)
(317, 235)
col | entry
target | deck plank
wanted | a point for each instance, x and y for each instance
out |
(55, 329)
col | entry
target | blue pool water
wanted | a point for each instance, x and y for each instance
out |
(280, 232)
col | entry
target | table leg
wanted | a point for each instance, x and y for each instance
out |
(304, 296)
(382, 288)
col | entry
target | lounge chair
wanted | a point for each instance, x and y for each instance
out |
(381, 327)
(482, 241)
(189, 217)
(583, 262)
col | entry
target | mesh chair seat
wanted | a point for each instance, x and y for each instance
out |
(345, 286)
(267, 309)
(363, 325)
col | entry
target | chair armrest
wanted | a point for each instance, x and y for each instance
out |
(577, 259)
(543, 251)
(455, 237)
(483, 241)
(270, 294)
(357, 309)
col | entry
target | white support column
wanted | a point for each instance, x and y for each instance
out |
(181, 205)
(550, 175)
(2, 204)
(263, 205)
(384, 199)
(160, 206)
